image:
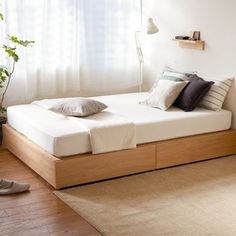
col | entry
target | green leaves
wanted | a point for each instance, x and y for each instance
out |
(3, 70)
(2, 109)
(17, 41)
(4, 74)
(1, 16)
(11, 52)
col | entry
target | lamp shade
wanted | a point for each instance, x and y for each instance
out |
(151, 27)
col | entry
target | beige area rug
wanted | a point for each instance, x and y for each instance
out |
(197, 199)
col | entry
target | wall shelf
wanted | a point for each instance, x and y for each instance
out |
(199, 44)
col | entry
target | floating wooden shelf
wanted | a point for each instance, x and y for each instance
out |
(199, 44)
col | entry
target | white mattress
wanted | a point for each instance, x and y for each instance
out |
(64, 136)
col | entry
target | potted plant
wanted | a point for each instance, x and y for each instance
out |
(6, 73)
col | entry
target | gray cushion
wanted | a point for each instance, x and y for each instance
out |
(78, 107)
(193, 93)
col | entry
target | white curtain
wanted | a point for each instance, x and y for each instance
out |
(79, 45)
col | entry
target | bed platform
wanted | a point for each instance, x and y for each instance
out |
(85, 168)
(42, 140)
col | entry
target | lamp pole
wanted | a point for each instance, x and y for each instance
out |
(151, 29)
(139, 48)
(140, 59)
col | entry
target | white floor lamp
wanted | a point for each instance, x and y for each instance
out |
(151, 28)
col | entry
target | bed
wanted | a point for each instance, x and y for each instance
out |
(58, 147)
(64, 136)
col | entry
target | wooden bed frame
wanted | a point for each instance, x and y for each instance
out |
(85, 168)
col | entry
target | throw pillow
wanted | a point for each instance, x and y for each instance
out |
(193, 93)
(78, 107)
(215, 97)
(164, 95)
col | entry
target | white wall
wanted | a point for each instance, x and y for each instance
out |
(216, 19)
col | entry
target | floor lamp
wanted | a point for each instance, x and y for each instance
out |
(151, 28)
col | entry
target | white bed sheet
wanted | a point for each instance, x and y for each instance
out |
(65, 136)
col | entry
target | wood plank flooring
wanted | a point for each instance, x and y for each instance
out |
(38, 212)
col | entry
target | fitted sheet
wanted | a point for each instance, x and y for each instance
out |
(64, 136)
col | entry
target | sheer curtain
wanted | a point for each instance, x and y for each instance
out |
(108, 59)
(83, 45)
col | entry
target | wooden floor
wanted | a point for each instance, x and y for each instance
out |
(38, 212)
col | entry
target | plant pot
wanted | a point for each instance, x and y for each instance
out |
(3, 120)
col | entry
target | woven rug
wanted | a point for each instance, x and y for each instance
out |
(196, 199)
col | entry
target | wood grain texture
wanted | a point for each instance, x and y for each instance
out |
(198, 45)
(35, 157)
(195, 148)
(39, 211)
(89, 168)
(78, 169)
(85, 168)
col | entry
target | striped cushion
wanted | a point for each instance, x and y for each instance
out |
(215, 98)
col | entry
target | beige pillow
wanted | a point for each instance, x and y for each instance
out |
(216, 96)
(170, 75)
(165, 94)
(78, 107)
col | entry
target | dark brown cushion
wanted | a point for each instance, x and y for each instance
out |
(193, 93)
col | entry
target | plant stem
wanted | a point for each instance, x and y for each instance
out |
(8, 83)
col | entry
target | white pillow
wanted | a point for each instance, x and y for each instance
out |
(171, 75)
(215, 97)
(164, 95)
(180, 76)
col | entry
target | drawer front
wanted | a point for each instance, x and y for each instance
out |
(195, 148)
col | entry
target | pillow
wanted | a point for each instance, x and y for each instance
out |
(164, 95)
(169, 75)
(215, 97)
(78, 107)
(178, 76)
(193, 93)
